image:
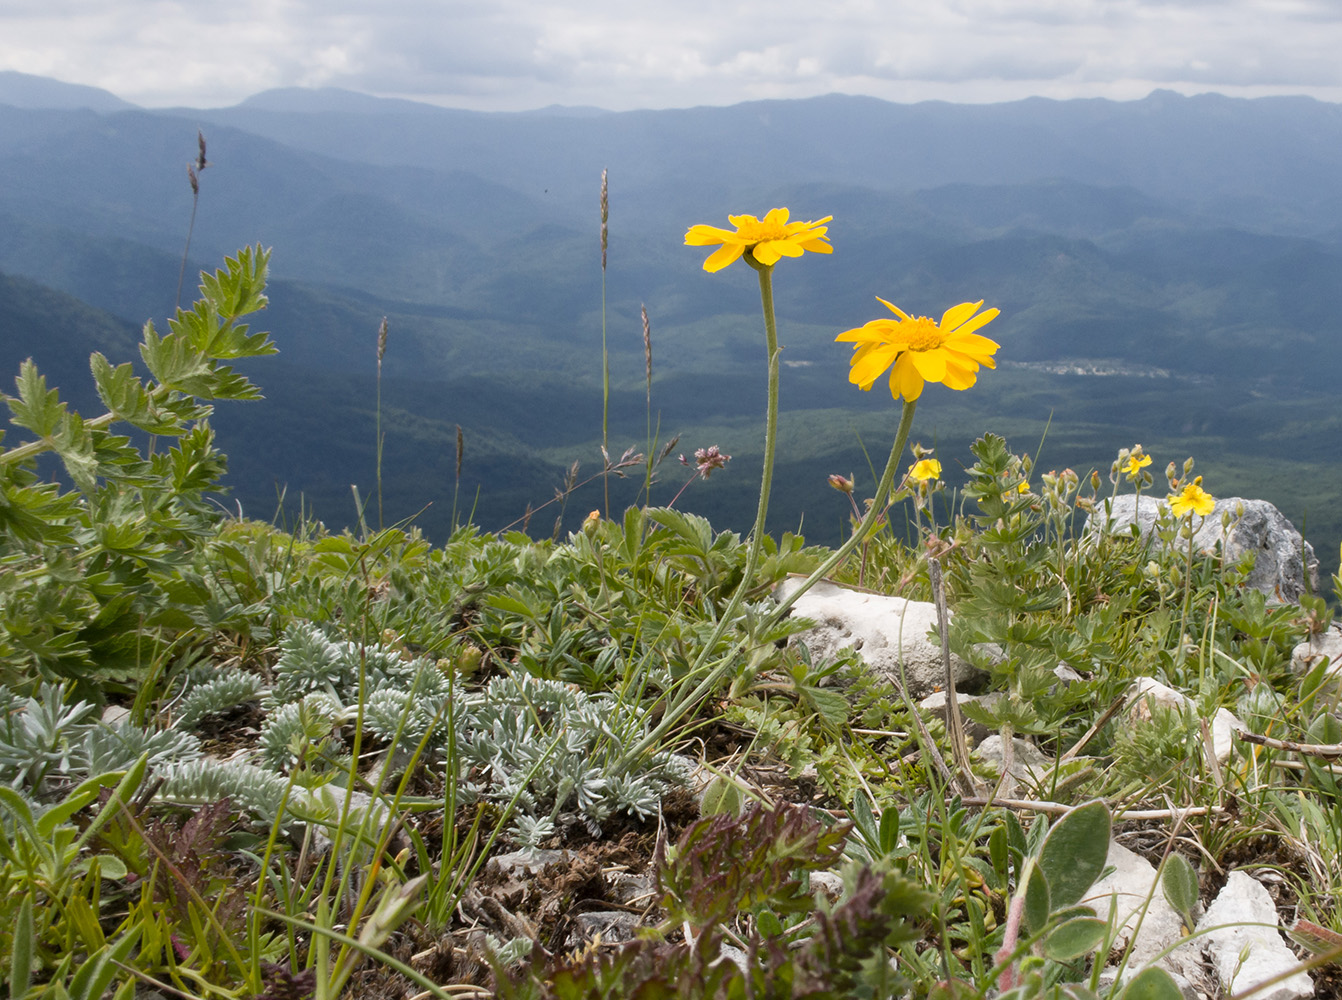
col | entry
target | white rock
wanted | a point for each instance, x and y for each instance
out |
(528, 861)
(1030, 766)
(1281, 557)
(1148, 692)
(829, 883)
(1310, 653)
(884, 630)
(977, 732)
(1244, 956)
(1127, 887)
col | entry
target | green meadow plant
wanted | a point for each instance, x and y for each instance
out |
(99, 583)
(330, 734)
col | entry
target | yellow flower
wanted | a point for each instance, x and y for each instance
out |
(767, 239)
(1192, 498)
(928, 468)
(918, 349)
(1136, 462)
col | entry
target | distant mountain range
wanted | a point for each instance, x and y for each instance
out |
(1197, 236)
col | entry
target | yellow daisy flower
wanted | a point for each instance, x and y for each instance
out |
(1192, 498)
(766, 239)
(918, 349)
(928, 468)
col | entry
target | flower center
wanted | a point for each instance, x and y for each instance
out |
(921, 334)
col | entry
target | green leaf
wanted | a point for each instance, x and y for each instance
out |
(1037, 902)
(95, 975)
(1152, 983)
(829, 704)
(1179, 882)
(999, 853)
(889, 832)
(768, 923)
(38, 408)
(1074, 938)
(21, 953)
(1074, 852)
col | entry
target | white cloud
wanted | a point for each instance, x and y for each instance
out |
(634, 53)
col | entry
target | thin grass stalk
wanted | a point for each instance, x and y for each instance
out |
(193, 172)
(647, 367)
(605, 354)
(456, 488)
(381, 351)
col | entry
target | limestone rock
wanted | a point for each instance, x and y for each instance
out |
(1029, 765)
(1310, 653)
(884, 631)
(1244, 956)
(1128, 886)
(1282, 557)
(977, 732)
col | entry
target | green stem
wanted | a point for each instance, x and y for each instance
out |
(41, 445)
(868, 523)
(677, 709)
(766, 477)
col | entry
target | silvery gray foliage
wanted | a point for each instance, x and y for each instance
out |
(249, 788)
(311, 662)
(47, 744)
(228, 689)
(116, 747)
(550, 748)
(546, 749)
(301, 729)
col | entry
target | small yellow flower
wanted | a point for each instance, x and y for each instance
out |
(928, 468)
(918, 349)
(1136, 462)
(1192, 498)
(766, 239)
(844, 484)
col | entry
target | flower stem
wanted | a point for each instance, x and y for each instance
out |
(868, 523)
(766, 477)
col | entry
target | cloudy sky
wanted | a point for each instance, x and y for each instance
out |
(620, 54)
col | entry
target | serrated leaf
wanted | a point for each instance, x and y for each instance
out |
(1179, 882)
(829, 704)
(74, 443)
(37, 408)
(1074, 938)
(1152, 983)
(1074, 852)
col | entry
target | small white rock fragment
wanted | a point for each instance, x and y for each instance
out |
(1244, 956)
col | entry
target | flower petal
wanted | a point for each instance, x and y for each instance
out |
(868, 363)
(893, 308)
(905, 380)
(726, 254)
(702, 236)
(956, 315)
(981, 319)
(931, 365)
(975, 345)
(877, 329)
